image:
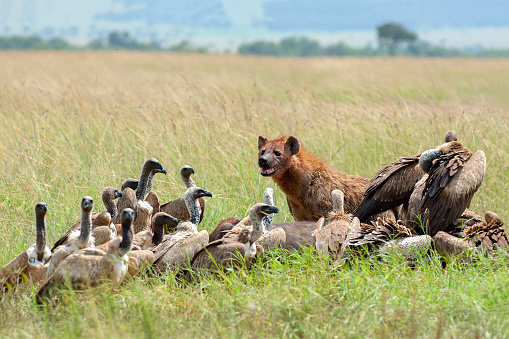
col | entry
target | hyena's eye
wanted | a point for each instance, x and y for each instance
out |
(262, 152)
(277, 153)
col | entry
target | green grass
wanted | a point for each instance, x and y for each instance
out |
(73, 123)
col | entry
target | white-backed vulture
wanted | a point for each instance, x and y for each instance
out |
(136, 200)
(227, 224)
(131, 183)
(102, 235)
(297, 234)
(32, 264)
(332, 235)
(453, 176)
(90, 267)
(176, 248)
(269, 239)
(151, 167)
(268, 198)
(177, 207)
(76, 239)
(482, 237)
(226, 252)
(393, 185)
(152, 236)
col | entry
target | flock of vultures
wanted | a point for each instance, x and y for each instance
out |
(413, 205)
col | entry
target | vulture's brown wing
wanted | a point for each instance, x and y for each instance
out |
(450, 191)
(127, 200)
(443, 170)
(176, 208)
(153, 200)
(218, 255)
(390, 187)
(10, 272)
(168, 242)
(413, 218)
(223, 227)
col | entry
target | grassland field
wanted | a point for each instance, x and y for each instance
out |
(73, 123)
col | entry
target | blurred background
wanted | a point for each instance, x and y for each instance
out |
(265, 27)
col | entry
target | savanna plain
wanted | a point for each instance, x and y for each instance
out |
(73, 123)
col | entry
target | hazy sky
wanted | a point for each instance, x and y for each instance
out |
(226, 23)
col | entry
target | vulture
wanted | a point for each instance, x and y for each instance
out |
(268, 198)
(225, 253)
(131, 183)
(176, 248)
(383, 236)
(481, 237)
(331, 238)
(145, 241)
(227, 224)
(143, 210)
(269, 239)
(91, 266)
(76, 239)
(393, 185)
(153, 235)
(177, 207)
(32, 264)
(102, 235)
(453, 175)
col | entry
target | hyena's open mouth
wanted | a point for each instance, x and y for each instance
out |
(268, 171)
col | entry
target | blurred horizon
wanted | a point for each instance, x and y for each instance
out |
(225, 24)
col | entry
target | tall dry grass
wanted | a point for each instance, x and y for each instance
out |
(73, 123)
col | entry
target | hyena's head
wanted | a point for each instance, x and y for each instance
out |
(275, 156)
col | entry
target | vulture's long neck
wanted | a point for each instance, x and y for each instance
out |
(86, 229)
(109, 203)
(188, 181)
(194, 209)
(145, 183)
(40, 239)
(127, 237)
(158, 228)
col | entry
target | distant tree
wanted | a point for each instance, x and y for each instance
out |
(339, 49)
(96, 44)
(185, 47)
(392, 35)
(425, 49)
(59, 44)
(260, 48)
(300, 47)
(181, 47)
(120, 40)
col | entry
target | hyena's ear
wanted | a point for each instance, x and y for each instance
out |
(261, 141)
(292, 145)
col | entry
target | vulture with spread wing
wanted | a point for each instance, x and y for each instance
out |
(393, 185)
(453, 175)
